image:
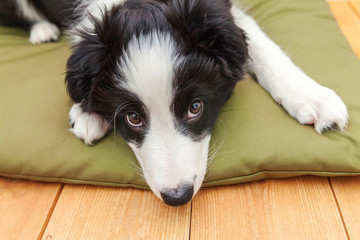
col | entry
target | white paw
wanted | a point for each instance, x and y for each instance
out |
(314, 104)
(88, 127)
(43, 32)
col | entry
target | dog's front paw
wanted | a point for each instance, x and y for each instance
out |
(88, 127)
(320, 106)
(43, 32)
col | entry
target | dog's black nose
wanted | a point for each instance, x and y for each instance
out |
(178, 196)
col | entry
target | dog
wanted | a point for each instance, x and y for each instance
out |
(158, 72)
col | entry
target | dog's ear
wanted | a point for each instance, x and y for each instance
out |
(93, 58)
(83, 67)
(209, 27)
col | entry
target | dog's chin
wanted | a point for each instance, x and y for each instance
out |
(176, 179)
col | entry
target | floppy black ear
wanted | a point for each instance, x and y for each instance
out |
(83, 67)
(208, 26)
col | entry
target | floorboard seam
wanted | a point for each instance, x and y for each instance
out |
(51, 211)
(191, 208)
(338, 207)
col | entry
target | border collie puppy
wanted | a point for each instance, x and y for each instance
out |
(159, 71)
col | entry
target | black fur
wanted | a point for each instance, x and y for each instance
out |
(9, 16)
(214, 47)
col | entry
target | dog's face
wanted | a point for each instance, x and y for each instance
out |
(159, 72)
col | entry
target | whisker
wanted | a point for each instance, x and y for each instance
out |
(117, 111)
(138, 171)
(215, 147)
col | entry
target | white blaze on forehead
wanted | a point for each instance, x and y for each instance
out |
(148, 68)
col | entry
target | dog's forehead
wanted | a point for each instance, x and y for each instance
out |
(148, 66)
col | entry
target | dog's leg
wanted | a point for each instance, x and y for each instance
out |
(41, 29)
(88, 127)
(302, 97)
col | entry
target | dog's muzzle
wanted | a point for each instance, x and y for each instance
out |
(178, 196)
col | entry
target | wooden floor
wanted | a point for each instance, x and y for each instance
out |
(295, 208)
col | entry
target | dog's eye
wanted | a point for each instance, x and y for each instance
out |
(195, 109)
(134, 120)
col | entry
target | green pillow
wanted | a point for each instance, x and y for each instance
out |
(254, 137)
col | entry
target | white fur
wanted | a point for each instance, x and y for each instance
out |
(42, 30)
(29, 12)
(167, 157)
(88, 127)
(148, 68)
(302, 97)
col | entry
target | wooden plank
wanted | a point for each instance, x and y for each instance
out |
(296, 208)
(25, 207)
(349, 23)
(91, 212)
(347, 191)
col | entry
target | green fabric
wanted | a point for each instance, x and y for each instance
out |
(258, 138)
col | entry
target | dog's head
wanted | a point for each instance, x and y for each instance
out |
(160, 71)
